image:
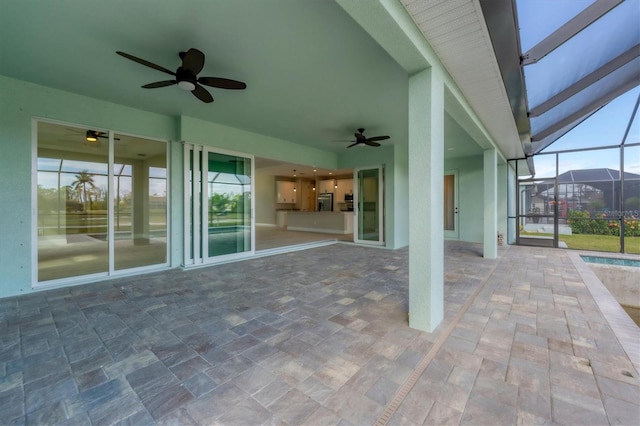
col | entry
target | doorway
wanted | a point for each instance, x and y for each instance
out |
(451, 229)
(219, 205)
(369, 205)
(101, 202)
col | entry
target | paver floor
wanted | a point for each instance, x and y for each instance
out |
(320, 336)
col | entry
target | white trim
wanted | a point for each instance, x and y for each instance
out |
(381, 206)
(110, 206)
(200, 191)
(34, 203)
(186, 205)
(195, 208)
(204, 205)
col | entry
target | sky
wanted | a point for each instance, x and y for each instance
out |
(606, 127)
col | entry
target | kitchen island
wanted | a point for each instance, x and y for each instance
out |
(326, 222)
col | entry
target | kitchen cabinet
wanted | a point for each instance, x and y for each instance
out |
(345, 186)
(281, 219)
(326, 186)
(285, 192)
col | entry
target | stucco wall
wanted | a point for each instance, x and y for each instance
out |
(22, 102)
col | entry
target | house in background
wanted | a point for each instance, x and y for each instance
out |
(138, 198)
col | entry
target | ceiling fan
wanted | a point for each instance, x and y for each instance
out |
(362, 139)
(186, 76)
(89, 135)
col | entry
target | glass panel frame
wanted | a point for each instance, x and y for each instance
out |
(140, 179)
(229, 224)
(369, 206)
(86, 170)
(214, 230)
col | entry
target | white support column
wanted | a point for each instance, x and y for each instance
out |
(426, 194)
(491, 203)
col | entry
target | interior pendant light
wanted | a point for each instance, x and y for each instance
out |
(335, 184)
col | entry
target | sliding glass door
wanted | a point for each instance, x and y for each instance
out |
(369, 206)
(101, 203)
(139, 202)
(219, 205)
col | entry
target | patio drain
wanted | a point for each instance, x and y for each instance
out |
(406, 387)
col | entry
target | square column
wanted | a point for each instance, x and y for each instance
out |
(490, 204)
(426, 195)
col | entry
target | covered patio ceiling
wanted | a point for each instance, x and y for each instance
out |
(313, 74)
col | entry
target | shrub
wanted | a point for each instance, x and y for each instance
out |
(582, 223)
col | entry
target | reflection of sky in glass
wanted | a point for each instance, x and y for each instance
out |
(228, 183)
(48, 175)
(50, 164)
(157, 172)
(122, 170)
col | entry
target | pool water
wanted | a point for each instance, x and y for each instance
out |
(611, 261)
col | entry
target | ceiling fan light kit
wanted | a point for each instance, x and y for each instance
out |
(186, 76)
(92, 136)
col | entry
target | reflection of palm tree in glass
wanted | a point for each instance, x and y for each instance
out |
(83, 179)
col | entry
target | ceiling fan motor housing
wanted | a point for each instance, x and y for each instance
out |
(186, 79)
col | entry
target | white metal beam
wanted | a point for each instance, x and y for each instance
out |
(587, 81)
(598, 103)
(568, 30)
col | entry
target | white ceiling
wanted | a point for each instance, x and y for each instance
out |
(313, 75)
(457, 31)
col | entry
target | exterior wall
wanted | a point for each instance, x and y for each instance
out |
(21, 102)
(470, 197)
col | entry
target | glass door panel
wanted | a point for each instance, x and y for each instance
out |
(451, 205)
(229, 187)
(369, 207)
(536, 213)
(72, 198)
(140, 202)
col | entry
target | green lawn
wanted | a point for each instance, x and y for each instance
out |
(610, 243)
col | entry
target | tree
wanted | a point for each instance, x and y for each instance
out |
(83, 179)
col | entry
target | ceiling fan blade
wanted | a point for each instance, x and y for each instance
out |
(222, 83)
(370, 143)
(193, 61)
(145, 63)
(202, 94)
(353, 144)
(160, 84)
(378, 138)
